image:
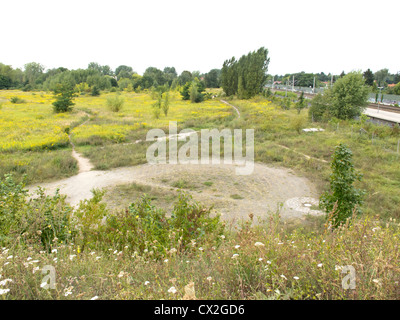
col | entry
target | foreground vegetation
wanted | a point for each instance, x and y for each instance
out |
(141, 253)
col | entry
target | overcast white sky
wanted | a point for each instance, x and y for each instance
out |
(307, 35)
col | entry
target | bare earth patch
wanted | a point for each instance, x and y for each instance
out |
(234, 196)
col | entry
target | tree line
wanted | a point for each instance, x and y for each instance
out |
(34, 76)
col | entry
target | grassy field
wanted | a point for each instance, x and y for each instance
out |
(30, 130)
(163, 241)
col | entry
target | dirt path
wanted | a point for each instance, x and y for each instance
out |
(231, 105)
(84, 164)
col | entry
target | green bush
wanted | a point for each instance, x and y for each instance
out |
(143, 227)
(344, 200)
(17, 100)
(95, 91)
(88, 219)
(115, 103)
(42, 220)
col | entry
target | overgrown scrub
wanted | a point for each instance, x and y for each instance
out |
(251, 262)
(16, 100)
(115, 103)
(42, 220)
(143, 227)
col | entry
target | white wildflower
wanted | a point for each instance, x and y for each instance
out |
(319, 265)
(4, 291)
(4, 282)
(146, 283)
(94, 298)
(72, 256)
(235, 256)
(296, 278)
(259, 244)
(237, 246)
(172, 290)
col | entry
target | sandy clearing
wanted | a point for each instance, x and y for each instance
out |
(260, 193)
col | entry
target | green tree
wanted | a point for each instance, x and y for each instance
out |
(349, 96)
(185, 77)
(170, 75)
(229, 76)
(381, 76)
(123, 72)
(165, 105)
(157, 76)
(247, 76)
(64, 95)
(343, 198)
(193, 92)
(396, 89)
(213, 78)
(32, 72)
(369, 77)
(95, 91)
(320, 105)
(301, 103)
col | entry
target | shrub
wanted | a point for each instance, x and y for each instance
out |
(344, 199)
(17, 100)
(320, 106)
(89, 216)
(298, 124)
(43, 220)
(64, 94)
(115, 103)
(144, 227)
(192, 221)
(95, 91)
